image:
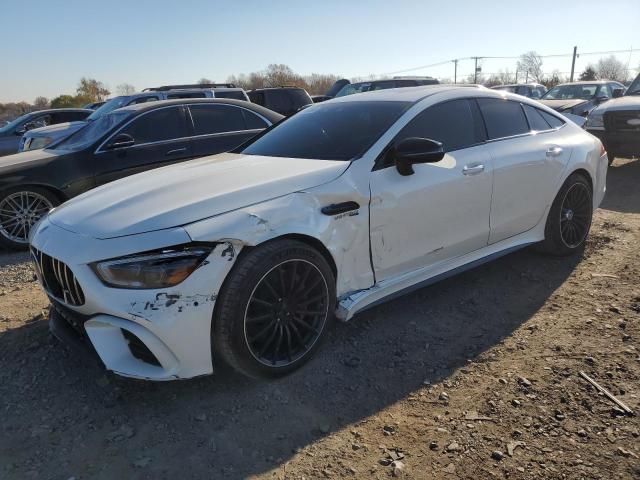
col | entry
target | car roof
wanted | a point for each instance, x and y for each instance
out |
(58, 110)
(141, 107)
(408, 94)
(519, 85)
(283, 87)
(590, 82)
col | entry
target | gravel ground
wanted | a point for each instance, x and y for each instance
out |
(474, 377)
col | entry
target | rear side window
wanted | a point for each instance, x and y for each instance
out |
(384, 85)
(208, 119)
(235, 94)
(143, 100)
(61, 117)
(504, 118)
(187, 95)
(157, 126)
(256, 97)
(452, 123)
(253, 121)
(552, 120)
(536, 120)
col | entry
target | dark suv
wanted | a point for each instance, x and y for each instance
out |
(397, 82)
(617, 123)
(284, 100)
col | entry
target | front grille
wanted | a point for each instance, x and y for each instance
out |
(617, 121)
(57, 278)
(138, 349)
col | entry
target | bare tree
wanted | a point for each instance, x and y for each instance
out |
(41, 103)
(589, 73)
(125, 89)
(610, 68)
(92, 90)
(531, 64)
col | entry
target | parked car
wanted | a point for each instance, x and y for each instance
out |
(47, 135)
(246, 257)
(12, 132)
(120, 143)
(94, 105)
(397, 82)
(579, 98)
(530, 90)
(284, 100)
(617, 123)
(329, 94)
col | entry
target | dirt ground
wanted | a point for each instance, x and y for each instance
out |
(475, 377)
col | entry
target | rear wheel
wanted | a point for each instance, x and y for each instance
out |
(20, 209)
(274, 309)
(569, 218)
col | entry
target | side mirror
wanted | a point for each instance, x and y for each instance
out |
(416, 150)
(120, 141)
(602, 98)
(617, 92)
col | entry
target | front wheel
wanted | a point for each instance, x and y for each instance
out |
(274, 309)
(20, 209)
(569, 218)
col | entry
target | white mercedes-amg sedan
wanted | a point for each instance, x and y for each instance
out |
(247, 257)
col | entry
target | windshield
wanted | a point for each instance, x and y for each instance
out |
(107, 107)
(634, 88)
(354, 88)
(91, 132)
(328, 131)
(13, 124)
(571, 92)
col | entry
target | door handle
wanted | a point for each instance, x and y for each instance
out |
(554, 152)
(176, 150)
(473, 169)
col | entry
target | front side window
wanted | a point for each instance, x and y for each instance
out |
(92, 131)
(334, 131)
(157, 126)
(453, 123)
(352, 88)
(37, 122)
(605, 90)
(151, 98)
(186, 95)
(235, 94)
(208, 119)
(504, 118)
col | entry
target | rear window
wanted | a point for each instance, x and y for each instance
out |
(552, 120)
(536, 120)
(334, 131)
(504, 118)
(208, 119)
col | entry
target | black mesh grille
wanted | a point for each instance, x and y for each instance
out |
(57, 278)
(617, 121)
(138, 349)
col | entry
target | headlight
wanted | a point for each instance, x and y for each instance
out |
(153, 270)
(37, 143)
(595, 120)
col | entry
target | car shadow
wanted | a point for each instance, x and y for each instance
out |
(623, 194)
(234, 427)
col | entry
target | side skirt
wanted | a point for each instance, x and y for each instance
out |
(400, 285)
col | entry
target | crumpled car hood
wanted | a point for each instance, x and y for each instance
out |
(560, 105)
(190, 191)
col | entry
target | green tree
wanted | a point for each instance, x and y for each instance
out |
(92, 89)
(589, 73)
(63, 101)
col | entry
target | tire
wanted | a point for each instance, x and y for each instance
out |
(16, 220)
(274, 309)
(611, 157)
(569, 218)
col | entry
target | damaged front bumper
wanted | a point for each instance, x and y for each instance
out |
(159, 334)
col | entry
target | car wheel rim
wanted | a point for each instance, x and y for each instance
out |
(286, 313)
(575, 215)
(19, 212)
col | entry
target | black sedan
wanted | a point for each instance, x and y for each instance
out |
(126, 141)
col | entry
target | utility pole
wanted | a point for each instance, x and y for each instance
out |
(475, 70)
(455, 71)
(573, 62)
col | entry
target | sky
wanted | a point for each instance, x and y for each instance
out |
(48, 45)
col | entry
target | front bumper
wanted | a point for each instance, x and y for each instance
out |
(619, 143)
(160, 334)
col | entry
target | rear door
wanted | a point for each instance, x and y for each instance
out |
(219, 128)
(528, 158)
(161, 137)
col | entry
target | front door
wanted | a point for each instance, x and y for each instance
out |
(160, 137)
(442, 210)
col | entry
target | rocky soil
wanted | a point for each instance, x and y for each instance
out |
(475, 377)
